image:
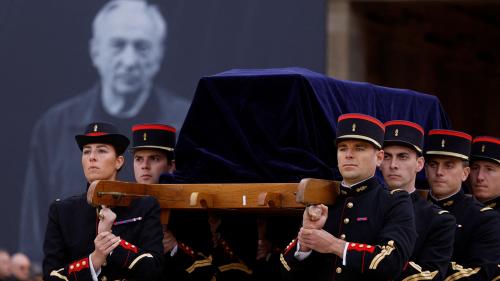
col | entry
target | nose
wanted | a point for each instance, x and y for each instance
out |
(439, 170)
(93, 156)
(393, 164)
(348, 153)
(145, 165)
(129, 56)
(480, 174)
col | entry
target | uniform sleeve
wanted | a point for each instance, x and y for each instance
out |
(435, 254)
(227, 264)
(55, 264)
(395, 242)
(483, 249)
(295, 269)
(144, 260)
(187, 264)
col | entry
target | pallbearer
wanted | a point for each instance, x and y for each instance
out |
(153, 148)
(403, 159)
(85, 243)
(485, 171)
(369, 233)
(477, 235)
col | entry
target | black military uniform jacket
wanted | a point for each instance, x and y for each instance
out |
(72, 228)
(187, 264)
(434, 247)
(210, 258)
(379, 227)
(492, 269)
(222, 264)
(477, 238)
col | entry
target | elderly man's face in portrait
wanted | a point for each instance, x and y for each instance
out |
(127, 50)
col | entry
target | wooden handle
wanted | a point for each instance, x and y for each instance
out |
(269, 199)
(165, 217)
(201, 200)
(316, 191)
(220, 196)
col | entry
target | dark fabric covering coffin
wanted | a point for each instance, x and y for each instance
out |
(275, 125)
(278, 125)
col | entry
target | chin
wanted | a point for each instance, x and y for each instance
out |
(147, 181)
(127, 90)
(441, 192)
(393, 184)
(349, 174)
(482, 196)
(91, 179)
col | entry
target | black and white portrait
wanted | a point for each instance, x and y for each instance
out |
(65, 64)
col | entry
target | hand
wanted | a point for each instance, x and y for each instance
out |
(104, 243)
(169, 241)
(106, 219)
(263, 249)
(321, 241)
(315, 216)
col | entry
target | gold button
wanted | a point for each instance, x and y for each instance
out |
(350, 205)
(104, 278)
(346, 221)
(338, 270)
(342, 236)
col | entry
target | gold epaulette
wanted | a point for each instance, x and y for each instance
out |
(486, 209)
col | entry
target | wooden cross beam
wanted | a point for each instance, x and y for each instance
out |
(266, 197)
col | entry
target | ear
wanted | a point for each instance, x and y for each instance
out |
(380, 156)
(158, 60)
(94, 51)
(466, 173)
(420, 164)
(161, 51)
(120, 160)
(171, 167)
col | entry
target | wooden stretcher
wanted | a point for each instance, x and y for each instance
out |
(266, 197)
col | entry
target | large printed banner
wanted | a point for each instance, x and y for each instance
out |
(64, 64)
